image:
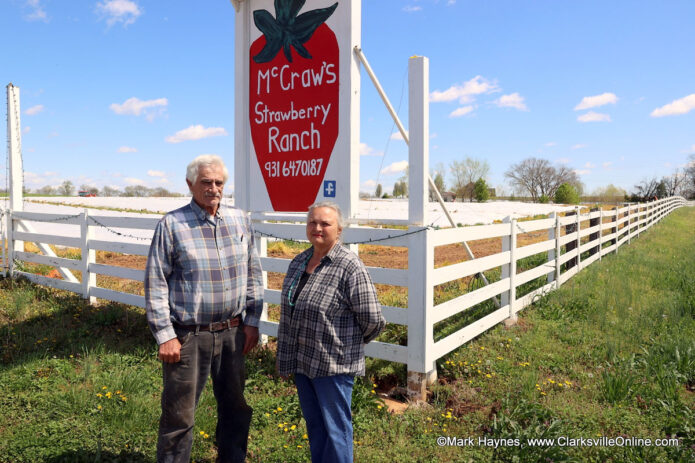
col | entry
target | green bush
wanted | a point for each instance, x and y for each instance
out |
(481, 191)
(566, 194)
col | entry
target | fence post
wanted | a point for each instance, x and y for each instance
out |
(600, 234)
(262, 249)
(88, 256)
(422, 368)
(629, 224)
(10, 243)
(579, 241)
(614, 230)
(3, 241)
(594, 236)
(570, 245)
(558, 249)
(509, 271)
(552, 254)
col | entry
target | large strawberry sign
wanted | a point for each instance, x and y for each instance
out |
(293, 101)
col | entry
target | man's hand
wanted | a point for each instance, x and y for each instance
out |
(170, 351)
(251, 338)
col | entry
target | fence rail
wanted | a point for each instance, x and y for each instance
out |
(573, 242)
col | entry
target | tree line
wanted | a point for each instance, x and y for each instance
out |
(67, 188)
(542, 181)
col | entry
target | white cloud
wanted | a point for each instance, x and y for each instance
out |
(465, 93)
(135, 107)
(513, 100)
(156, 173)
(115, 11)
(34, 110)
(451, 2)
(596, 101)
(578, 146)
(551, 143)
(398, 136)
(676, 107)
(563, 161)
(690, 150)
(366, 150)
(127, 149)
(26, 129)
(38, 13)
(589, 165)
(582, 172)
(594, 117)
(412, 9)
(195, 132)
(606, 165)
(395, 168)
(462, 111)
(133, 181)
(38, 180)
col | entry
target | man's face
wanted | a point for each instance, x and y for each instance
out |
(207, 189)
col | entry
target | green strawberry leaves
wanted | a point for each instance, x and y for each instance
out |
(287, 29)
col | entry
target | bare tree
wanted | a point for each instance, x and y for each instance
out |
(539, 178)
(66, 189)
(465, 173)
(674, 182)
(646, 190)
(689, 183)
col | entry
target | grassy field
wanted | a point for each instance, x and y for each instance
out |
(609, 355)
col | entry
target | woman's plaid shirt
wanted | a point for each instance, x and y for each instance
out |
(202, 269)
(335, 315)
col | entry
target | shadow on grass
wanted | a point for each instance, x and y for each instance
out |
(36, 321)
(91, 456)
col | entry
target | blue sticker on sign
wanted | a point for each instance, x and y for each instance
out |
(329, 188)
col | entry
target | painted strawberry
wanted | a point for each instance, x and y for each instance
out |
(293, 101)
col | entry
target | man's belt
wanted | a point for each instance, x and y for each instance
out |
(216, 326)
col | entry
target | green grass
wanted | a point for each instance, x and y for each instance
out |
(611, 353)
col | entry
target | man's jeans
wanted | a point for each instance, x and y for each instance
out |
(325, 403)
(204, 354)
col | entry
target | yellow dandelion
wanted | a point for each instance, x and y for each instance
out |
(379, 407)
(279, 409)
(299, 446)
(202, 433)
(488, 375)
(103, 387)
(304, 436)
(99, 407)
(294, 426)
(99, 394)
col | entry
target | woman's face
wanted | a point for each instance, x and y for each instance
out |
(322, 228)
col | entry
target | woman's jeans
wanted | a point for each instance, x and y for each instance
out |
(325, 403)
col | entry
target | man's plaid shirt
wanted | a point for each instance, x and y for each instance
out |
(336, 314)
(202, 269)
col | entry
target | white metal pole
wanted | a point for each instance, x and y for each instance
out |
(14, 138)
(419, 146)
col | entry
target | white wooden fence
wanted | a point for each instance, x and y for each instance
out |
(573, 242)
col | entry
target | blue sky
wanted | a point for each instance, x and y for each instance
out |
(121, 92)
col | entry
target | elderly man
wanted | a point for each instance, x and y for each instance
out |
(204, 296)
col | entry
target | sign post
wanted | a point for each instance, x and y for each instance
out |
(297, 104)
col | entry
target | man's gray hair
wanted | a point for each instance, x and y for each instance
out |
(205, 160)
(330, 205)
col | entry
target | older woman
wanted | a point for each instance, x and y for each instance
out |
(329, 312)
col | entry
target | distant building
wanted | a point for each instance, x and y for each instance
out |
(448, 196)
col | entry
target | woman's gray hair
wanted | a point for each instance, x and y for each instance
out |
(330, 205)
(205, 160)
